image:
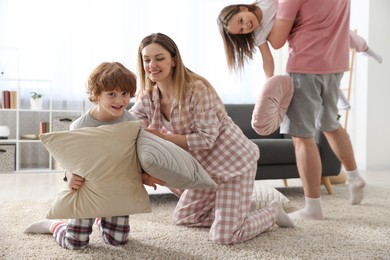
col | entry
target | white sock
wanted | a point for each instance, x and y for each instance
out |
(373, 54)
(312, 210)
(356, 186)
(282, 219)
(42, 227)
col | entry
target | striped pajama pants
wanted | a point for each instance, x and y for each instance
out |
(75, 234)
(226, 210)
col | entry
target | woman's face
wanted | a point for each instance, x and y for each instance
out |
(243, 22)
(157, 62)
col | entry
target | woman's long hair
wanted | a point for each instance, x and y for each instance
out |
(183, 78)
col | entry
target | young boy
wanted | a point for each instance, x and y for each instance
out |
(110, 86)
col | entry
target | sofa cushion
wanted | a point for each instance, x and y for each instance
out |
(275, 151)
(272, 104)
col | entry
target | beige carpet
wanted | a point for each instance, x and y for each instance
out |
(349, 232)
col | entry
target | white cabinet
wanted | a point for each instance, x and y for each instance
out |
(26, 123)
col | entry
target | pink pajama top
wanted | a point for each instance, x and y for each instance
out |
(214, 140)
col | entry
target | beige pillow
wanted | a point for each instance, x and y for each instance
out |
(106, 157)
(170, 163)
(272, 104)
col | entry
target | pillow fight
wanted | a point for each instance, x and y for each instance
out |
(180, 106)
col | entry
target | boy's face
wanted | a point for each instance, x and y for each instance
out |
(111, 104)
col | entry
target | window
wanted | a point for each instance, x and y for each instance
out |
(64, 40)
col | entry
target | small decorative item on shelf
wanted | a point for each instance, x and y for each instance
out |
(36, 100)
(4, 132)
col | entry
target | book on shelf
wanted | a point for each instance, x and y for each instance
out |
(13, 99)
(6, 98)
(44, 127)
(10, 99)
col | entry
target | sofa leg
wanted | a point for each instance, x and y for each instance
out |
(285, 183)
(328, 185)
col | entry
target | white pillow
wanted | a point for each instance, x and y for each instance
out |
(106, 157)
(170, 163)
(262, 195)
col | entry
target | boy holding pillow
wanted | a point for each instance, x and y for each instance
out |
(110, 86)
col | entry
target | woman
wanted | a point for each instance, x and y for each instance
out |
(180, 106)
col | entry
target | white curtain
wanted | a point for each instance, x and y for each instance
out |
(64, 40)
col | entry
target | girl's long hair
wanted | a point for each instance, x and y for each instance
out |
(239, 48)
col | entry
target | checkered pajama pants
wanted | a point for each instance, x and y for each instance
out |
(75, 234)
(226, 210)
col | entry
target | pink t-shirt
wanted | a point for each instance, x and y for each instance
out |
(319, 39)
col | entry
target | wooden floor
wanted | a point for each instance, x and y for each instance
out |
(43, 186)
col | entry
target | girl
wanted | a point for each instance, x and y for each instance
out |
(180, 106)
(244, 27)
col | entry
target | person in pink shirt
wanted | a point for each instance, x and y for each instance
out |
(182, 107)
(244, 28)
(318, 38)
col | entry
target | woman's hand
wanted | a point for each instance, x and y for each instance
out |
(151, 181)
(155, 132)
(75, 182)
(177, 139)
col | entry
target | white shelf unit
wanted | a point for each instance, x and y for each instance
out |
(24, 122)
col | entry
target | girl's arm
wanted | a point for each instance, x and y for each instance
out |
(268, 60)
(279, 33)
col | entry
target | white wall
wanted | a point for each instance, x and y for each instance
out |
(378, 98)
(371, 95)
(368, 123)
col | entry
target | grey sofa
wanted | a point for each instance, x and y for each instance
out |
(277, 156)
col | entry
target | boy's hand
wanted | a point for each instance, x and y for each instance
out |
(75, 182)
(151, 181)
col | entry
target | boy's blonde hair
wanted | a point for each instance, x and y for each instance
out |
(109, 76)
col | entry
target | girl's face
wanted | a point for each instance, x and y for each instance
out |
(157, 62)
(243, 22)
(111, 104)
